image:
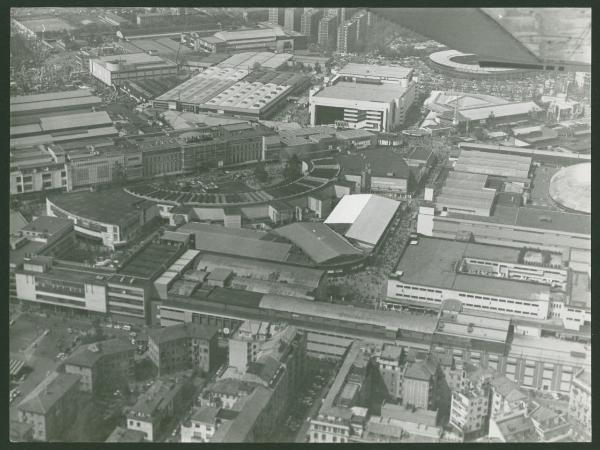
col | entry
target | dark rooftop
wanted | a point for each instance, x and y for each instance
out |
(121, 434)
(150, 261)
(89, 355)
(383, 163)
(48, 225)
(184, 330)
(318, 241)
(111, 206)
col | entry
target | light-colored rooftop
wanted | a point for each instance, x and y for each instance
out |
(493, 164)
(433, 262)
(374, 70)
(343, 90)
(204, 86)
(509, 109)
(571, 187)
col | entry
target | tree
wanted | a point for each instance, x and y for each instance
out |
(119, 176)
(256, 66)
(260, 172)
(490, 121)
(293, 168)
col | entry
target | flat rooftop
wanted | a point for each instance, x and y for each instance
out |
(246, 60)
(382, 162)
(433, 262)
(48, 225)
(535, 218)
(506, 110)
(87, 101)
(262, 270)
(150, 261)
(138, 61)
(343, 90)
(389, 320)
(374, 70)
(493, 164)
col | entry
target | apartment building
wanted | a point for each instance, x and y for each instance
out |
(182, 347)
(51, 407)
(103, 366)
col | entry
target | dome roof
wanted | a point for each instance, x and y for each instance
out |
(571, 187)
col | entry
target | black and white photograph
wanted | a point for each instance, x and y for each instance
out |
(300, 225)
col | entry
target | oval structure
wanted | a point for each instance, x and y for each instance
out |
(571, 187)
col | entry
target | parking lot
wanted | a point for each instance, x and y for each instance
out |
(43, 342)
(540, 195)
(308, 401)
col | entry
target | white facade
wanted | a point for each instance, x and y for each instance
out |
(93, 299)
(329, 430)
(361, 114)
(114, 70)
(197, 432)
(110, 234)
(145, 427)
(35, 180)
(511, 305)
(469, 410)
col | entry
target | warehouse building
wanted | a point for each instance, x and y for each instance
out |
(116, 69)
(363, 218)
(470, 109)
(365, 96)
(247, 60)
(260, 39)
(466, 193)
(230, 241)
(512, 225)
(435, 270)
(324, 246)
(63, 128)
(232, 91)
(563, 157)
(26, 109)
(514, 168)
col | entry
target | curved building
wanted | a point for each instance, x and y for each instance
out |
(112, 216)
(571, 187)
(465, 65)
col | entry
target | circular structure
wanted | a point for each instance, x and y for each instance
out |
(571, 187)
(321, 173)
(465, 64)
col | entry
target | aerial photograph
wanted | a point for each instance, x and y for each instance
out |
(300, 225)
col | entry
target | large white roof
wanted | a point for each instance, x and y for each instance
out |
(348, 209)
(368, 216)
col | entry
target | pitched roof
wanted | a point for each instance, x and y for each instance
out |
(43, 398)
(318, 241)
(232, 241)
(89, 355)
(420, 370)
